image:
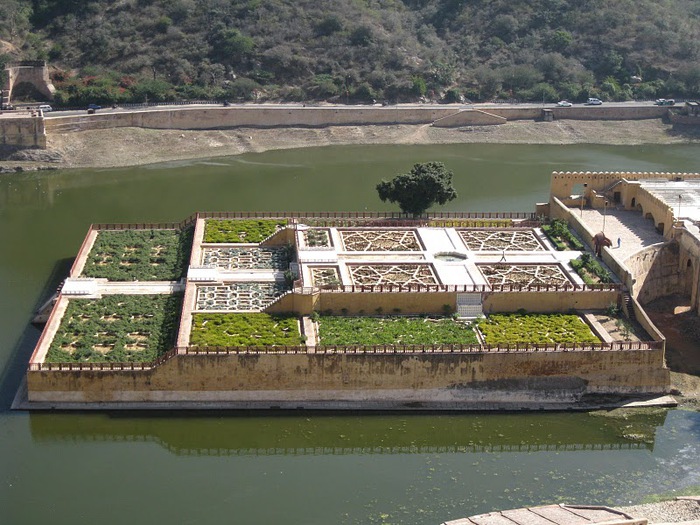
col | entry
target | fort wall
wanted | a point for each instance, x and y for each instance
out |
(548, 302)
(518, 377)
(275, 116)
(24, 130)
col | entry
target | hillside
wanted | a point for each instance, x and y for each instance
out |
(358, 50)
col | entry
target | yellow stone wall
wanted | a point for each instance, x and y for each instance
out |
(342, 376)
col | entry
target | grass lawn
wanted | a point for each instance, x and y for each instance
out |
(256, 329)
(535, 328)
(393, 330)
(240, 231)
(117, 329)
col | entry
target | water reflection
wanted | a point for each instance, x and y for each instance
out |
(269, 435)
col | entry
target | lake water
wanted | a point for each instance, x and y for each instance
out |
(303, 468)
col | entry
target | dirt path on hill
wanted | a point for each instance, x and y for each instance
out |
(136, 146)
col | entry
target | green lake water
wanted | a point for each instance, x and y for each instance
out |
(303, 468)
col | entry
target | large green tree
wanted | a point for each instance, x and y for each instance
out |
(426, 184)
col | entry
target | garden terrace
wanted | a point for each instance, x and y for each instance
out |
(335, 330)
(239, 297)
(524, 274)
(501, 240)
(559, 233)
(139, 255)
(392, 274)
(590, 270)
(242, 330)
(380, 240)
(247, 258)
(116, 328)
(325, 276)
(241, 230)
(317, 238)
(507, 329)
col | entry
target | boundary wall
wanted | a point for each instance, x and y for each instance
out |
(343, 380)
(263, 116)
(24, 130)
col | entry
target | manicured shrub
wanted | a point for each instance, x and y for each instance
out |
(254, 329)
(116, 328)
(535, 328)
(240, 231)
(139, 255)
(590, 270)
(394, 330)
(559, 233)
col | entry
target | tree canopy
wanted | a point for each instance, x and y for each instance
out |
(426, 184)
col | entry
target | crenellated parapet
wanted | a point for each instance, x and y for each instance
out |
(563, 182)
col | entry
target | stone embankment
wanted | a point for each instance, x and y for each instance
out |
(680, 510)
(157, 135)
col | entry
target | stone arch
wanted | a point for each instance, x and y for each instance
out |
(25, 92)
(34, 73)
(688, 274)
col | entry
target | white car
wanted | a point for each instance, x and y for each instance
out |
(564, 104)
(593, 102)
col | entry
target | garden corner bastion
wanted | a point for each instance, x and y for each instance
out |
(339, 310)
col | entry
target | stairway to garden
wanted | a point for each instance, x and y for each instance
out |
(469, 305)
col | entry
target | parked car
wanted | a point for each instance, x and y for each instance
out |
(94, 106)
(564, 104)
(593, 102)
(45, 108)
(665, 102)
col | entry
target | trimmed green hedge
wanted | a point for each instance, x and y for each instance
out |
(255, 329)
(116, 321)
(240, 231)
(140, 255)
(335, 330)
(535, 328)
(587, 266)
(559, 233)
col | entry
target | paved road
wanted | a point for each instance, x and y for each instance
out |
(484, 105)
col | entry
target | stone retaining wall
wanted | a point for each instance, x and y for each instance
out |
(522, 377)
(264, 116)
(25, 131)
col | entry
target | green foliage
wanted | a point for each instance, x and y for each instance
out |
(419, 87)
(139, 255)
(255, 329)
(590, 270)
(535, 328)
(612, 310)
(116, 328)
(559, 233)
(490, 50)
(426, 184)
(240, 231)
(394, 330)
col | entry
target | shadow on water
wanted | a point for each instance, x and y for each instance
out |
(19, 356)
(315, 433)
